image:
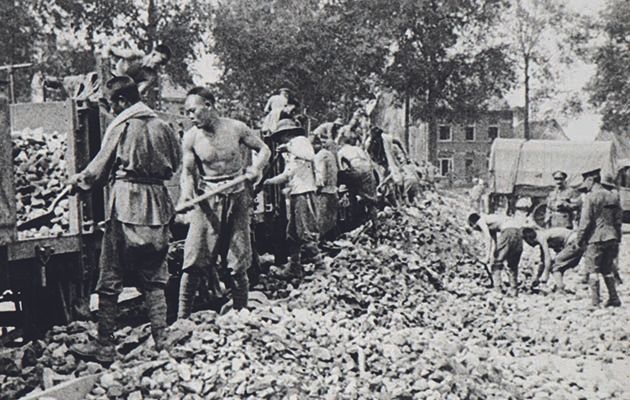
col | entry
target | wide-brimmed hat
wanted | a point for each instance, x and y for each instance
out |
(288, 127)
(608, 181)
(301, 148)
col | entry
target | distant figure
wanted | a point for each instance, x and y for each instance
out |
(326, 181)
(142, 68)
(328, 130)
(273, 108)
(477, 196)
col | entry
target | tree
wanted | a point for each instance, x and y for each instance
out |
(540, 34)
(610, 88)
(438, 54)
(315, 48)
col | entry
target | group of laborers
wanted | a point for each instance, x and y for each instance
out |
(577, 227)
(139, 152)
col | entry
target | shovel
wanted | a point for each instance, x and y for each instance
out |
(219, 189)
(47, 216)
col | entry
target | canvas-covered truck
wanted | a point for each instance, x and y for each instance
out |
(522, 169)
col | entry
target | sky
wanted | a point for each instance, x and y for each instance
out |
(582, 127)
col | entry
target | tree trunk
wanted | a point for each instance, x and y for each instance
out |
(432, 129)
(152, 18)
(407, 103)
(526, 111)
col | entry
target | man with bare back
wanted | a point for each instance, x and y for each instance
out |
(504, 244)
(219, 227)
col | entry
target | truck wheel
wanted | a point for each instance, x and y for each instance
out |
(539, 214)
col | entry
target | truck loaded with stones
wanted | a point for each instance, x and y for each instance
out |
(49, 243)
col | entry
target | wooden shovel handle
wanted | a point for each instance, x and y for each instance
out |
(219, 189)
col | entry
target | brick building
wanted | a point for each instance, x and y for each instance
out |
(464, 142)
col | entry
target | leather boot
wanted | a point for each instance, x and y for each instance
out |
(594, 288)
(240, 290)
(613, 297)
(293, 269)
(102, 349)
(156, 303)
(187, 291)
(557, 276)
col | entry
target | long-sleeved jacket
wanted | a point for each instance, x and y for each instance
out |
(561, 206)
(600, 220)
(138, 153)
(326, 171)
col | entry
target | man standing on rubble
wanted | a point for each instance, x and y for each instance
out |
(562, 203)
(600, 232)
(219, 226)
(138, 153)
(326, 181)
(299, 177)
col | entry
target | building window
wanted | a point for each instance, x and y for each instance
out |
(446, 166)
(493, 132)
(469, 165)
(444, 133)
(470, 133)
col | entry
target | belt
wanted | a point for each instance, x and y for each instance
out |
(141, 180)
(217, 179)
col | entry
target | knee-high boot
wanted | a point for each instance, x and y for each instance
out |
(613, 297)
(102, 349)
(593, 284)
(187, 290)
(156, 303)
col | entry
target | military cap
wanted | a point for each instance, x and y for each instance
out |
(591, 173)
(559, 175)
(120, 83)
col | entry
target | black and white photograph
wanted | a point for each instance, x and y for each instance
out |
(314, 199)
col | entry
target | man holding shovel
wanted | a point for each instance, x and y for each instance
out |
(138, 153)
(220, 225)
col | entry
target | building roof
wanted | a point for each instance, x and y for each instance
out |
(548, 129)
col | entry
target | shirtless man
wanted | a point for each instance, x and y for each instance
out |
(562, 241)
(219, 227)
(504, 245)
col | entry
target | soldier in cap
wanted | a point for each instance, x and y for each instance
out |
(299, 176)
(142, 68)
(219, 226)
(600, 232)
(562, 203)
(139, 152)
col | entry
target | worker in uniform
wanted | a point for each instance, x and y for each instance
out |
(138, 153)
(567, 252)
(326, 171)
(562, 203)
(600, 232)
(219, 226)
(302, 228)
(504, 245)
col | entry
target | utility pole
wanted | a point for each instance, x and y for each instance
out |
(10, 69)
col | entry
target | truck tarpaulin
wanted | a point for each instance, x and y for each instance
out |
(516, 162)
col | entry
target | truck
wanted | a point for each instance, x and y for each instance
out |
(522, 168)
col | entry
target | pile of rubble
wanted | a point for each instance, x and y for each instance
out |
(40, 174)
(404, 315)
